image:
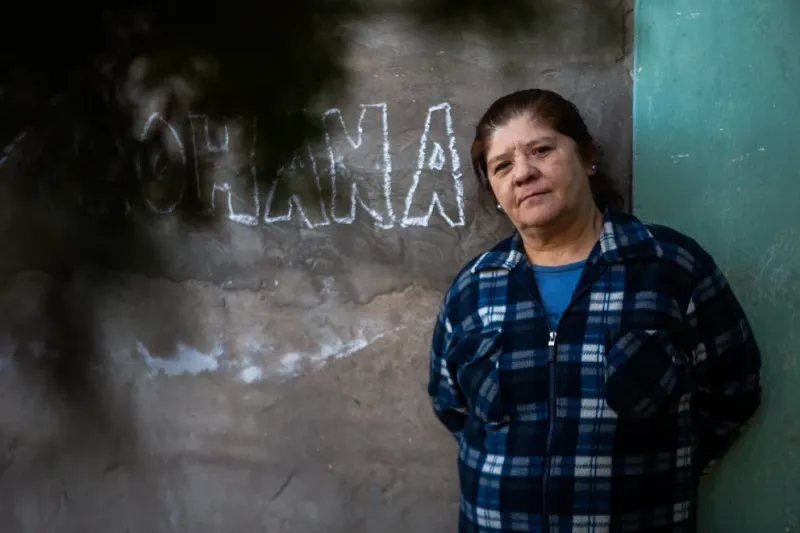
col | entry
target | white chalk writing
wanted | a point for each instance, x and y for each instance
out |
(437, 162)
(338, 169)
(158, 168)
(287, 176)
(359, 172)
(233, 171)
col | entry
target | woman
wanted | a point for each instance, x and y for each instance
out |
(590, 366)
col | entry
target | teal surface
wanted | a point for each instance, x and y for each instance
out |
(717, 156)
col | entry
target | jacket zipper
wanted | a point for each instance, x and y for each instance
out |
(551, 373)
(551, 378)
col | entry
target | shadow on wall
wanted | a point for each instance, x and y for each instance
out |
(107, 168)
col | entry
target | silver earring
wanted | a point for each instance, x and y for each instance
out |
(499, 207)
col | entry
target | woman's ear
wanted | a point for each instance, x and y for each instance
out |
(590, 155)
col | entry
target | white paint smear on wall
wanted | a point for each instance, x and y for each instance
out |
(293, 363)
(186, 360)
(260, 361)
(250, 374)
(258, 364)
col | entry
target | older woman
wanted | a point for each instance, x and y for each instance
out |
(590, 366)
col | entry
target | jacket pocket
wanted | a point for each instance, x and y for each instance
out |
(475, 357)
(646, 372)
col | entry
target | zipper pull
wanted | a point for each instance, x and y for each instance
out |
(551, 348)
(552, 341)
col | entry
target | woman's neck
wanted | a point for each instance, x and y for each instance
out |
(565, 242)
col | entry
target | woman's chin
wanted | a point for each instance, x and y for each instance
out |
(533, 216)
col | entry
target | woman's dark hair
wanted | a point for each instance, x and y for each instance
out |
(562, 116)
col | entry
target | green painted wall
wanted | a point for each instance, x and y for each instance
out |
(717, 155)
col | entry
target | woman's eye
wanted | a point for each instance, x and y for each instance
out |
(541, 150)
(500, 167)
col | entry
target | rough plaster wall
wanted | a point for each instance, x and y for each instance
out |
(271, 377)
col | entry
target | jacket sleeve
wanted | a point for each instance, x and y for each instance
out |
(727, 366)
(448, 401)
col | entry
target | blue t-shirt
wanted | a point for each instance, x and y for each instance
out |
(556, 285)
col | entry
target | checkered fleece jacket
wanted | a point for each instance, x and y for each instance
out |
(605, 424)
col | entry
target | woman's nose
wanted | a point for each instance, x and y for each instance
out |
(524, 171)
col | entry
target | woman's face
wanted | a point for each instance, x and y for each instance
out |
(536, 173)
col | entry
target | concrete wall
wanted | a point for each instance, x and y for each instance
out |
(266, 372)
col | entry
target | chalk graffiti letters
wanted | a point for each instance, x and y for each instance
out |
(301, 164)
(156, 172)
(339, 168)
(432, 157)
(214, 157)
(349, 178)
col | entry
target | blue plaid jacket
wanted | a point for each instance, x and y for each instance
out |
(605, 424)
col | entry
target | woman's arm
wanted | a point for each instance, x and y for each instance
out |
(727, 366)
(448, 400)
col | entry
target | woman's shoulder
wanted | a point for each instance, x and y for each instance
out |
(501, 256)
(682, 249)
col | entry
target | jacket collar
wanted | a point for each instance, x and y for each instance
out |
(624, 237)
